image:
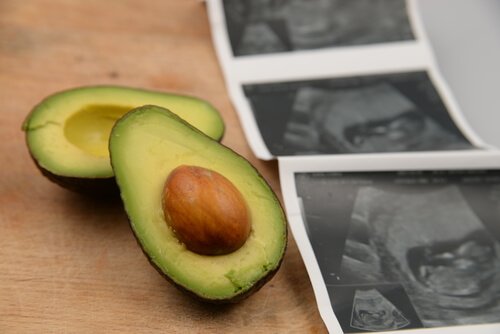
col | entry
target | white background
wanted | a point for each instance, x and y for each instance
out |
(465, 38)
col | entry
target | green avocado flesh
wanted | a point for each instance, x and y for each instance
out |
(68, 132)
(145, 146)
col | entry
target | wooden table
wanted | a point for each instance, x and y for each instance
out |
(70, 264)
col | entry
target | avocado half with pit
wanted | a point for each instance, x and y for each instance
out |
(67, 133)
(202, 214)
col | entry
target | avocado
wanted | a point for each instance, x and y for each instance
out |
(154, 152)
(67, 133)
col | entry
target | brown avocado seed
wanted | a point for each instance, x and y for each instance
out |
(205, 210)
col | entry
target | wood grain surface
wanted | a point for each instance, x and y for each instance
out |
(69, 264)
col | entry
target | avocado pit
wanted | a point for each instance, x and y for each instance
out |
(205, 210)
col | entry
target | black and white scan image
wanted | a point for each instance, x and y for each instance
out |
(365, 114)
(432, 236)
(373, 312)
(270, 26)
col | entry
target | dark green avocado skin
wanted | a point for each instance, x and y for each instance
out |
(96, 187)
(236, 298)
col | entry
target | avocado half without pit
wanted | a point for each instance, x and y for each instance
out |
(67, 133)
(202, 214)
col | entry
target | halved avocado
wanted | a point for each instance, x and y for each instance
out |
(67, 133)
(146, 145)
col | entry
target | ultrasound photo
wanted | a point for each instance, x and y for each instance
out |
(364, 114)
(373, 308)
(373, 312)
(269, 26)
(434, 235)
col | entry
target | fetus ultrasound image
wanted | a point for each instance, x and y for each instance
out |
(269, 26)
(401, 250)
(366, 114)
(373, 308)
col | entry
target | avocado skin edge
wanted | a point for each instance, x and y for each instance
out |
(233, 300)
(94, 187)
(258, 284)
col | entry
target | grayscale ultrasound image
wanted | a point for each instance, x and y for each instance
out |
(269, 26)
(371, 311)
(410, 249)
(365, 114)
